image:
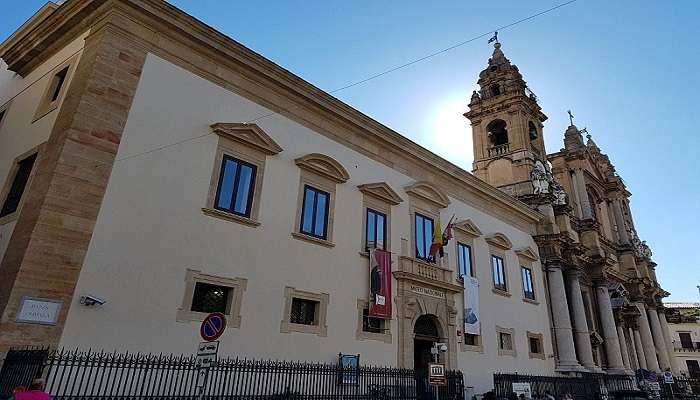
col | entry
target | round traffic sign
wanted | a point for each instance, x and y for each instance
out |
(212, 326)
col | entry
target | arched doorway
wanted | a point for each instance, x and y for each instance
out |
(425, 334)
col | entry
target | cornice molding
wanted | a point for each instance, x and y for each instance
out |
(429, 192)
(247, 134)
(381, 191)
(500, 240)
(218, 58)
(468, 227)
(527, 253)
(323, 165)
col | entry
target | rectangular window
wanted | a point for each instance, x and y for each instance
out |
(499, 273)
(464, 259)
(236, 185)
(57, 84)
(535, 345)
(528, 288)
(505, 341)
(19, 183)
(371, 324)
(424, 236)
(303, 311)
(375, 236)
(210, 298)
(314, 212)
(471, 340)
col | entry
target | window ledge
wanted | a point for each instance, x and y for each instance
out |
(289, 327)
(531, 301)
(6, 219)
(501, 292)
(473, 348)
(196, 316)
(229, 217)
(381, 337)
(315, 240)
(510, 353)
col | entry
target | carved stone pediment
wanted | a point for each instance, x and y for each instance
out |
(247, 134)
(323, 165)
(382, 191)
(468, 227)
(500, 240)
(428, 192)
(528, 253)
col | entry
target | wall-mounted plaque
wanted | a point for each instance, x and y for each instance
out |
(33, 310)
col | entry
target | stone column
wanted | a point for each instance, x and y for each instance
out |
(634, 360)
(623, 347)
(669, 343)
(582, 335)
(583, 195)
(560, 319)
(577, 197)
(620, 222)
(641, 358)
(658, 337)
(647, 339)
(607, 319)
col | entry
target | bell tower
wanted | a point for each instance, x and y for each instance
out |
(506, 127)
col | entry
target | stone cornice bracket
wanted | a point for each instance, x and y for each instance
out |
(428, 192)
(247, 134)
(324, 166)
(468, 227)
(499, 240)
(527, 253)
(381, 191)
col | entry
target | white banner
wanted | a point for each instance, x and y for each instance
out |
(472, 318)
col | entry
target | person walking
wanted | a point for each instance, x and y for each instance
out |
(34, 392)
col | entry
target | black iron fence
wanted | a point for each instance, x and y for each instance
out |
(683, 387)
(98, 375)
(587, 386)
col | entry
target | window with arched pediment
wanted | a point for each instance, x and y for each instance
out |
(498, 134)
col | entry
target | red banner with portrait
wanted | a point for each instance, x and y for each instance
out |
(379, 284)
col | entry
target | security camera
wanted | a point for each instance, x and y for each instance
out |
(90, 301)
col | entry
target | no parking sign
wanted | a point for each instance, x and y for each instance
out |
(212, 326)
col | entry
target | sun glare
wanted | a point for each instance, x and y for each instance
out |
(450, 132)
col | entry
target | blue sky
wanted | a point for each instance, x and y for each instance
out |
(627, 69)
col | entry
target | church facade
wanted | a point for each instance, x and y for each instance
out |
(155, 170)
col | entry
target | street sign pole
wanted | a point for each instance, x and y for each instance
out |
(211, 329)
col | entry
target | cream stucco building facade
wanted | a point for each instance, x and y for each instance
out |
(150, 161)
(684, 323)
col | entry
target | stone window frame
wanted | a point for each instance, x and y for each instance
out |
(527, 258)
(45, 105)
(4, 110)
(465, 232)
(380, 197)
(540, 337)
(233, 309)
(360, 334)
(425, 199)
(499, 245)
(248, 143)
(38, 150)
(320, 328)
(324, 173)
(511, 332)
(476, 348)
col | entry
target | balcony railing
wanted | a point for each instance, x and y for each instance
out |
(498, 150)
(688, 347)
